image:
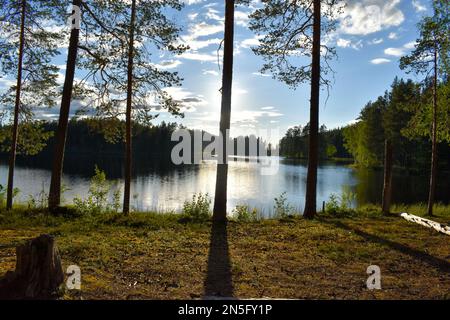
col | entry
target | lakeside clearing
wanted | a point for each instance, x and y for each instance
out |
(163, 256)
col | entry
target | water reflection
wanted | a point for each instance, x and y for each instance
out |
(162, 186)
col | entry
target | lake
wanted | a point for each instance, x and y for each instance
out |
(159, 186)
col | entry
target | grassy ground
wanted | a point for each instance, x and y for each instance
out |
(150, 256)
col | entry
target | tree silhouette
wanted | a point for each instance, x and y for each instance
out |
(289, 30)
(26, 49)
(124, 83)
(220, 199)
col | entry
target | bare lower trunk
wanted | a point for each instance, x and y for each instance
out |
(434, 155)
(128, 146)
(15, 128)
(220, 199)
(54, 197)
(387, 185)
(313, 156)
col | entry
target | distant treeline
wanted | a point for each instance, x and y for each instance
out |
(363, 143)
(101, 142)
(402, 116)
(331, 143)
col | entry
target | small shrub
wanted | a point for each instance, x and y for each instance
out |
(243, 214)
(97, 199)
(347, 198)
(282, 208)
(39, 200)
(198, 209)
(340, 204)
(332, 205)
(3, 192)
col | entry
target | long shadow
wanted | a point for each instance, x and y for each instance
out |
(438, 263)
(218, 282)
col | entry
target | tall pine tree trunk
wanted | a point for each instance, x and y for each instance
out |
(220, 199)
(54, 197)
(387, 185)
(313, 155)
(128, 146)
(434, 156)
(15, 128)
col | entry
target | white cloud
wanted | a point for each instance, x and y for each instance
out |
(192, 39)
(418, 6)
(190, 2)
(250, 42)
(396, 52)
(192, 16)
(410, 45)
(188, 100)
(210, 72)
(214, 14)
(168, 64)
(204, 29)
(241, 18)
(259, 74)
(343, 43)
(204, 57)
(245, 117)
(393, 36)
(380, 61)
(200, 44)
(376, 41)
(362, 17)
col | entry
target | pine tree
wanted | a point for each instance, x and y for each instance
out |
(27, 47)
(123, 82)
(432, 56)
(288, 30)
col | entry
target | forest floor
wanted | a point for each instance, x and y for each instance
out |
(151, 256)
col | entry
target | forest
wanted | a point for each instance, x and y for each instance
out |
(402, 111)
(96, 201)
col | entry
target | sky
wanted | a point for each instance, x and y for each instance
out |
(371, 37)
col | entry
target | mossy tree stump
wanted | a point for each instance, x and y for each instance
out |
(38, 272)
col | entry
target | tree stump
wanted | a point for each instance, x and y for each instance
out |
(38, 271)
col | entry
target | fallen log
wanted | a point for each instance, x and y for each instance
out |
(38, 272)
(440, 227)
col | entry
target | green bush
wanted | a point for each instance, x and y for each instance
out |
(3, 191)
(340, 204)
(332, 205)
(97, 199)
(282, 208)
(243, 214)
(198, 209)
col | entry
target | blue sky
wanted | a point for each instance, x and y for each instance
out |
(370, 38)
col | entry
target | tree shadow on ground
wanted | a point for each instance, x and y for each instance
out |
(438, 263)
(218, 282)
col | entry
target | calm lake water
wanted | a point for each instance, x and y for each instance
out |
(161, 187)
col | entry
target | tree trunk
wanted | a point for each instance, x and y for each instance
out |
(440, 227)
(128, 146)
(38, 271)
(54, 196)
(434, 156)
(387, 186)
(220, 199)
(15, 129)
(311, 180)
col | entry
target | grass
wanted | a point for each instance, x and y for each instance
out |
(165, 256)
